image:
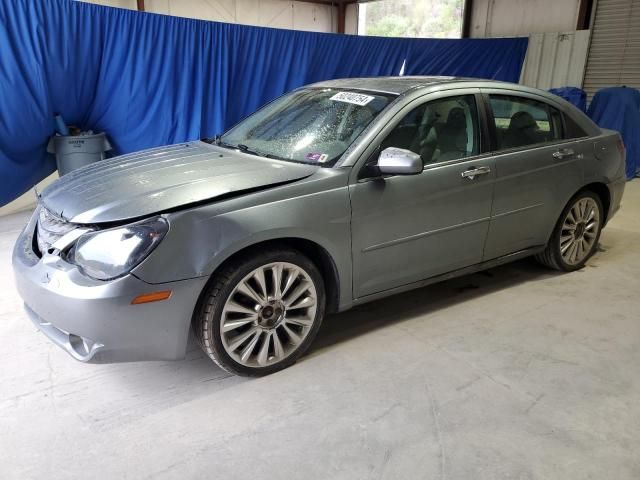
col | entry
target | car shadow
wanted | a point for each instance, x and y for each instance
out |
(198, 373)
(395, 309)
(150, 388)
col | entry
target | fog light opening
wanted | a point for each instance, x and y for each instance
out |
(80, 345)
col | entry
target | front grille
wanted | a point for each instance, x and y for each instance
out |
(50, 229)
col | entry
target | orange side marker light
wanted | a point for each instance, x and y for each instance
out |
(151, 297)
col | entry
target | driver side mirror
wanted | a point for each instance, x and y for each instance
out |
(398, 161)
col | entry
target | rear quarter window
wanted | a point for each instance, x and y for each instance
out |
(572, 129)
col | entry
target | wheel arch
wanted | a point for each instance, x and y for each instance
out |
(600, 189)
(311, 249)
(548, 256)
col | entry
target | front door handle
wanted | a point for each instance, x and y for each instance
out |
(474, 172)
(563, 153)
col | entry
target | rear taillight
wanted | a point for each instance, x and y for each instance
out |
(620, 145)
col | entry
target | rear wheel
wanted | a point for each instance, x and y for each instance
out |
(576, 235)
(261, 313)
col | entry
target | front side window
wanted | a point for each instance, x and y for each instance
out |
(521, 121)
(440, 130)
(311, 125)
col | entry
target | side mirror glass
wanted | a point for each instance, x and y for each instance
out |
(398, 161)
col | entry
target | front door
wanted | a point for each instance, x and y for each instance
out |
(408, 228)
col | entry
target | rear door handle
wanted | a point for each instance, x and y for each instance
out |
(474, 172)
(563, 153)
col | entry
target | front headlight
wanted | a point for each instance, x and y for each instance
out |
(112, 253)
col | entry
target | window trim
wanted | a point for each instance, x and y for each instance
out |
(563, 129)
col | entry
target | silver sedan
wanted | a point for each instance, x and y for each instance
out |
(331, 196)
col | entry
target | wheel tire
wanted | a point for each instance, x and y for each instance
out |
(207, 319)
(552, 256)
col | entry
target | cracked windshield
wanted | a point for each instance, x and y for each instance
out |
(311, 125)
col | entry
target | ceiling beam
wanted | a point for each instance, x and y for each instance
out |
(342, 14)
(467, 9)
(336, 3)
(584, 15)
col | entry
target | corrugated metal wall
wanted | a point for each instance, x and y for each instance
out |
(614, 55)
(555, 59)
(557, 53)
(507, 18)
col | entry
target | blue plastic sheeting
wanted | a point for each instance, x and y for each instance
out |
(151, 80)
(573, 95)
(481, 57)
(618, 108)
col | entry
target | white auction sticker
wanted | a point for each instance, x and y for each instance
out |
(350, 97)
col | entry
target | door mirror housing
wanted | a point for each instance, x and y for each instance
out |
(398, 161)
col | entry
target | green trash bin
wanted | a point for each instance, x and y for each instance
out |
(75, 151)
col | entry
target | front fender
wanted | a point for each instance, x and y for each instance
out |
(201, 239)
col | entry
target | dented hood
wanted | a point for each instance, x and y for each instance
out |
(161, 179)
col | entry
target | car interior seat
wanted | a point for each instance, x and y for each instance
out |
(452, 136)
(522, 130)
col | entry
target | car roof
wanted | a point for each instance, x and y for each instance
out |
(401, 85)
(405, 85)
(394, 85)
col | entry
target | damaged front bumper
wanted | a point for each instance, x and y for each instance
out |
(95, 320)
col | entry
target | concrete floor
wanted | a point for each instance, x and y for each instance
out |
(515, 373)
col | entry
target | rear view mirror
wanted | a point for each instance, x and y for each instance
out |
(398, 161)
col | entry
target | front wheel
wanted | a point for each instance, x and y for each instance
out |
(576, 235)
(261, 313)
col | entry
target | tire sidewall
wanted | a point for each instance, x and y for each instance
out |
(558, 230)
(212, 320)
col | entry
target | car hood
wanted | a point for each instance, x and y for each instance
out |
(161, 179)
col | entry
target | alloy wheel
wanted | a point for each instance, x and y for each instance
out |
(268, 314)
(579, 231)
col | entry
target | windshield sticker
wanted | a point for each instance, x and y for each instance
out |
(317, 157)
(350, 97)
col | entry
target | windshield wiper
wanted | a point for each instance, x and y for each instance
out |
(277, 157)
(245, 149)
(217, 140)
(231, 146)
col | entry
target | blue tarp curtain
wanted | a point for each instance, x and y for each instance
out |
(574, 95)
(618, 108)
(150, 80)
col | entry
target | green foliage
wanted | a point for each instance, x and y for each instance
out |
(391, 26)
(414, 18)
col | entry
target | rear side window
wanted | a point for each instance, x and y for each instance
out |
(521, 121)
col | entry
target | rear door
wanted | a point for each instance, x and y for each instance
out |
(537, 169)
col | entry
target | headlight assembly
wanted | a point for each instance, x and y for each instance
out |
(112, 253)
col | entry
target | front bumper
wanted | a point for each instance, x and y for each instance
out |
(94, 320)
